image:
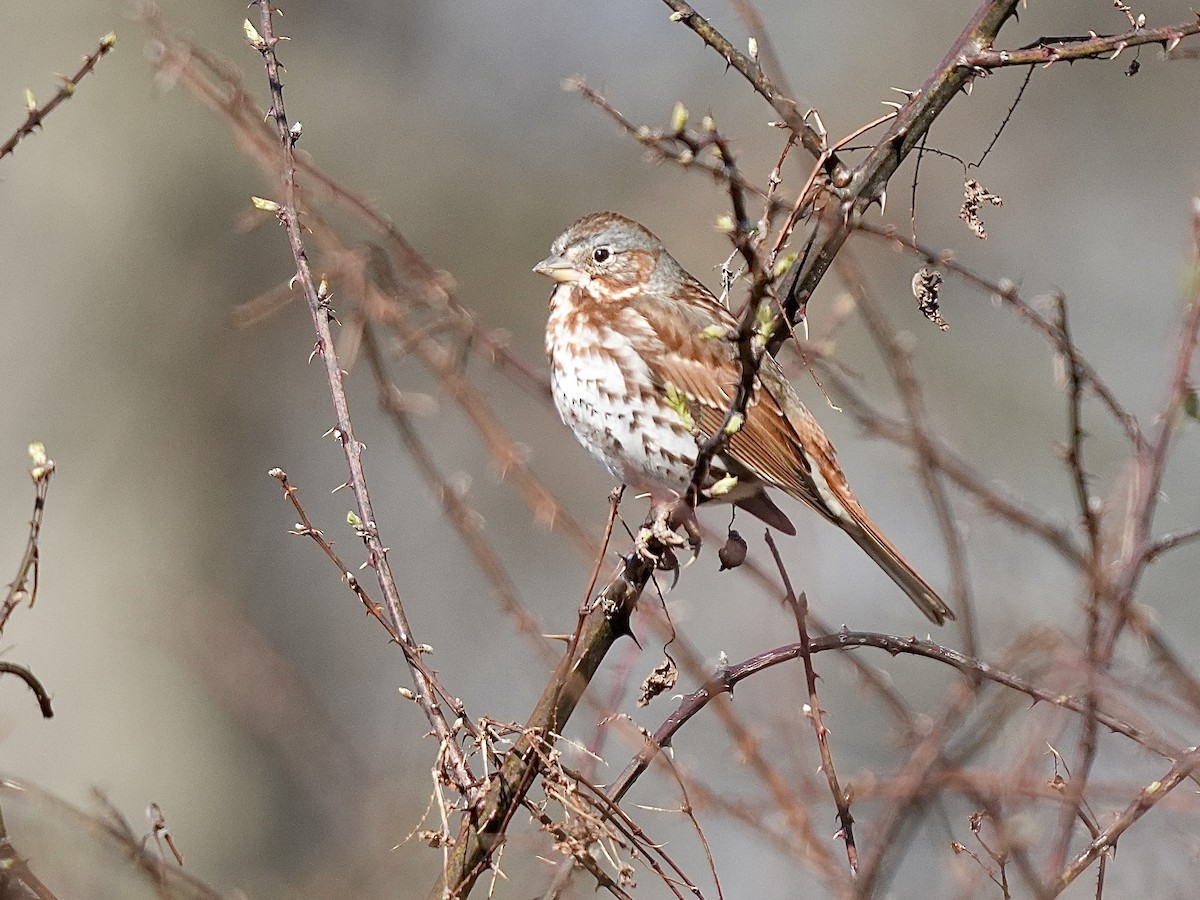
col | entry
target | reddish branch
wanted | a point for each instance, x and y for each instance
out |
(1049, 50)
(321, 313)
(728, 677)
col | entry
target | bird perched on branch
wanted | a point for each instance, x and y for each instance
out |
(644, 367)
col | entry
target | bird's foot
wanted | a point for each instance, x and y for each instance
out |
(658, 539)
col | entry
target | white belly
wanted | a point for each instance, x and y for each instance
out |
(640, 443)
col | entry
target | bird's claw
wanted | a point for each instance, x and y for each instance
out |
(658, 539)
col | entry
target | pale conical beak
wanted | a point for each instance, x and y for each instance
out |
(559, 268)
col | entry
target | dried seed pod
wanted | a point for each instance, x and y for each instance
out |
(661, 680)
(733, 553)
(927, 287)
(974, 196)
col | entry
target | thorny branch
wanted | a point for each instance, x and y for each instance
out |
(855, 189)
(728, 677)
(1048, 50)
(812, 140)
(264, 41)
(841, 799)
(24, 585)
(1146, 800)
(35, 115)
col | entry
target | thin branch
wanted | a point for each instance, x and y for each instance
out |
(728, 677)
(1151, 463)
(464, 519)
(1048, 50)
(908, 386)
(680, 146)
(992, 498)
(306, 528)
(1092, 571)
(1007, 292)
(35, 114)
(841, 800)
(24, 585)
(1169, 542)
(321, 313)
(31, 680)
(787, 107)
(1145, 801)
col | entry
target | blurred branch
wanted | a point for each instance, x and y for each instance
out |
(219, 87)
(908, 386)
(1093, 574)
(992, 498)
(465, 520)
(43, 698)
(1150, 463)
(1007, 292)
(34, 114)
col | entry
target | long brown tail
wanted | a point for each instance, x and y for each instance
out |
(888, 558)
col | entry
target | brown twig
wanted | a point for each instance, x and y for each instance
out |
(306, 528)
(1093, 574)
(992, 498)
(1150, 463)
(904, 377)
(1146, 800)
(24, 585)
(841, 799)
(680, 145)
(1048, 50)
(464, 519)
(787, 107)
(34, 114)
(728, 677)
(264, 41)
(31, 680)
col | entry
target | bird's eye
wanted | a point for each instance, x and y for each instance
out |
(601, 254)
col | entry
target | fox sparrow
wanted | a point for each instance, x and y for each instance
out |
(643, 369)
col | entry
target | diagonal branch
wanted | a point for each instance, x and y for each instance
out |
(812, 140)
(868, 180)
(483, 829)
(1145, 801)
(35, 115)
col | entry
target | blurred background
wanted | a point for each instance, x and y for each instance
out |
(202, 658)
